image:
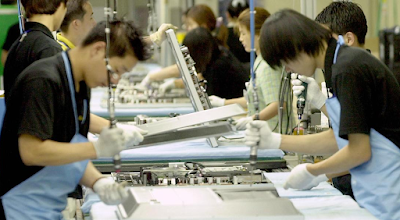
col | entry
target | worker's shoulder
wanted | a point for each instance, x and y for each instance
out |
(352, 58)
(51, 68)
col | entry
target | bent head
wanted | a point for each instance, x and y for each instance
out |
(126, 49)
(290, 39)
(202, 46)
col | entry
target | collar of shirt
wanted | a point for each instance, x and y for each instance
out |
(330, 53)
(35, 26)
(64, 42)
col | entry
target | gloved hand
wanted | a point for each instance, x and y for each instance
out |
(216, 101)
(132, 134)
(110, 192)
(314, 94)
(166, 86)
(300, 178)
(241, 123)
(111, 141)
(159, 36)
(144, 84)
(259, 133)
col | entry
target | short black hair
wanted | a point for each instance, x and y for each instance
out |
(203, 47)
(48, 7)
(236, 7)
(342, 17)
(75, 10)
(287, 33)
(125, 38)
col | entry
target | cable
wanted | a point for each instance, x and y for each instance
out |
(111, 88)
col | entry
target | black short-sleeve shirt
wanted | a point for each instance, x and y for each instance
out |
(367, 90)
(12, 35)
(226, 76)
(37, 44)
(236, 47)
(39, 105)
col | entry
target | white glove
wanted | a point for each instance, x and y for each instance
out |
(216, 101)
(145, 84)
(300, 178)
(159, 36)
(110, 192)
(166, 86)
(314, 94)
(259, 134)
(241, 123)
(132, 134)
(111, 141)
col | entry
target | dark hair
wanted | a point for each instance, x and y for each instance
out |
(75, 10)
(343, 17)
(259, 18)
(125, 38)
(287, 33)
(236, 7)
(204, 16)
(202, 46)
(48, 7)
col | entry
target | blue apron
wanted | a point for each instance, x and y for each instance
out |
(376, 183)
(44, 194)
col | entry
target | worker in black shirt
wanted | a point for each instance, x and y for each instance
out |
(225, 75)
(233, 11)
(364, 112)
(44, 152)
(346, 19)
(37, 41)
(12, 35)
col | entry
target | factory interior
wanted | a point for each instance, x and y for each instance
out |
(200, 109)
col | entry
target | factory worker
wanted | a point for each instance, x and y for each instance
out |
(346, 19)
(268, 80)
(44, 131)
(232, 13)
(198, 16)
(37, 41)
(224, 73)
(363, 110)
(77, 23)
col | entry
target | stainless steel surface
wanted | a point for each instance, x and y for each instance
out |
(191, 119)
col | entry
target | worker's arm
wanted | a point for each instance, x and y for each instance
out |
(358, 151)
(270, 111)
(90, 176)
(4, 54)
(97, 124)
(333, 175)
(323, 143)
(178, 83)
(241, 101)
(165, 73)
(323, 109)
(36, 152)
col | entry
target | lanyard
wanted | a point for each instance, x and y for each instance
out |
(340, 42)
(72, 90)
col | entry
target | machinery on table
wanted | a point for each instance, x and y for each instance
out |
(127, 96)
(190, 174)
(192, 191)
